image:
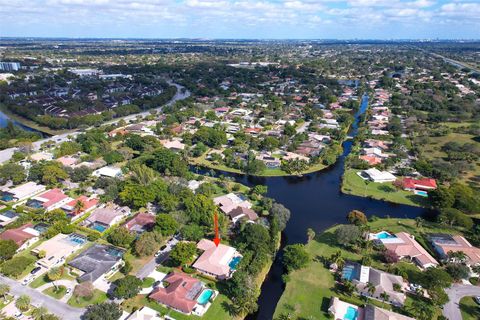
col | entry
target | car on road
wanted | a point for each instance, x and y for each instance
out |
(18, 314)
(69, 290)
(477, 299)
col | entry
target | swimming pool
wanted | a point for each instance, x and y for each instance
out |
(352, 314)
(234, 262)
(348, 272)
(385, 235)
(421, 193)
(204, 297)
(77, 239)
(98, 227)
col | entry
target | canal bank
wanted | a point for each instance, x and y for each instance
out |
(315, 201)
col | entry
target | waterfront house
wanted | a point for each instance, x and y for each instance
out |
(230, 201)
(241, 212)
(217, 261)
(424, 184)
(405, 246)
(376, 175)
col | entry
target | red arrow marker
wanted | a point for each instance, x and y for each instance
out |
(216, 240)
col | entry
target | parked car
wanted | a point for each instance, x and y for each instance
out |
(69, 290)
(477, 299)
(35, 270)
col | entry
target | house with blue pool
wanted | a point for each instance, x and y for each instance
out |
(103, 218)
(217, 261)
(341, 310)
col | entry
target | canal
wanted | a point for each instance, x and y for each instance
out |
(316, 202)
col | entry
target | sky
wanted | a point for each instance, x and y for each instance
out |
(242, 19)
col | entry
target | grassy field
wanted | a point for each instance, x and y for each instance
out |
(433, 150)
(469, 308)
(98, 297)
(309, 290)
(353, 184)
(56, 293)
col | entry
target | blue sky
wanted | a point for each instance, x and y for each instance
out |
(267, 19)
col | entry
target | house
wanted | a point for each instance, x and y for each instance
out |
(405, 246)
(141, 222)
(371, 160)
(270, 162)
(241, 212)
(376, 175)
(24, 236)
(383, 282)
(74, 211)
(49, 200)
(342, 310)
(230, 201)
(419, 184)
(22, 192)
(67, 161)
(371, 312)
(174, 145)
(108, 171)
(445, 243)
(217, 261)
(145, 313)
(8, 217)
(98, 261)
(180, 294)
(58, 248)
(103, 218)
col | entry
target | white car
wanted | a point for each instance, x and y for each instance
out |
(477, 299)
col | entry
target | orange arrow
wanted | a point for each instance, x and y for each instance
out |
(216, 240)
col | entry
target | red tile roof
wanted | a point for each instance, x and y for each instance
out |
(18, 235)
(371, 160)
(87, 203)
(180, 294)
(425, 183)
(142, 220)
(52, 196)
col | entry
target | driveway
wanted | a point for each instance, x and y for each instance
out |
(61, 309)
(152, 264)
(452, 309)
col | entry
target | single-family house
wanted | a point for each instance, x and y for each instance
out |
(108, 171)
(103, 218)
(174, 145)
(445, 243)
(230, 201)
(58, 248)
(180, 294)
(79, 206)
(419, 184)
(242, 212)
(383, 282)
(49, 200)
(24, 236)
(405, 246)
(143, 221)
(217, 261)
(22, 192)
(8, 217)
(98, 261)
(371, 312)
(375, 175)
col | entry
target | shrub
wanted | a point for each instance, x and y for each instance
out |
(16, 266)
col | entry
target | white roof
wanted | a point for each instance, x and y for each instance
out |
(376, 174)
(108, 172)
(26, 190)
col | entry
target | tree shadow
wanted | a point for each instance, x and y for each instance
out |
(422, 201)
(229, 308)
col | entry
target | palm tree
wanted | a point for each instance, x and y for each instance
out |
(371, 288)
(79, 206)
(4, 290)
(39, 313)
(421, 309)
(385, 296)
(23, 303)
(419, 222)
(55, 274)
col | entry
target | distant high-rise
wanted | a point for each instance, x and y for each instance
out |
(9, 66)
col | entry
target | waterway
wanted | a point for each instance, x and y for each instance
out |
(316, 202)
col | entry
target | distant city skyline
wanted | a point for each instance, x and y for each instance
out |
(242, 19)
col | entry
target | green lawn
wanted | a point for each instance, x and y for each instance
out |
(148, 282)
(353, 184)
(309, 290)
(469, 308)
(56, 293)
(98, 297)
(43, 279)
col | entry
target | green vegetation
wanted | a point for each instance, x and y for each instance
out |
(57, 293)
(469, 308)
(82, 302)
(353, 184)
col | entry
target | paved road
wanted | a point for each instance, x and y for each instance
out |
(452, 309)
(152, 264)
(61, 309)
(6, 154)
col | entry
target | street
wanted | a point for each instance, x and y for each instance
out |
(152, 264)
(452, 309)
(61, 309)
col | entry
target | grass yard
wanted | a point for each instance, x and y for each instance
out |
(308, 292)
(469, 308)
(43, 279)
(353, 184)
(57, 293)
(98, 297)
(148, 282)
